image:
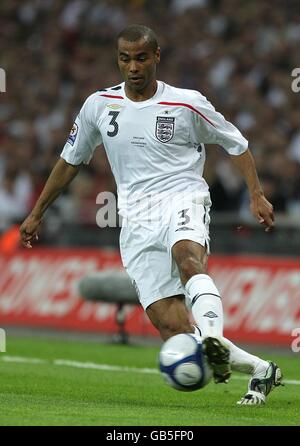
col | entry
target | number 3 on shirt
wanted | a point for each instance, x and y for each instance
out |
(114, 123)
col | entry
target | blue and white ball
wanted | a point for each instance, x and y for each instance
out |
(183, 363)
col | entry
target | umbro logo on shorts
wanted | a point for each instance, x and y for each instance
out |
(185, 228)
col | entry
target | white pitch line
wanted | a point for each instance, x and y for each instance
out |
(106, 367)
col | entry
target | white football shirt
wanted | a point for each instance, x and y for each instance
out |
(155, 147)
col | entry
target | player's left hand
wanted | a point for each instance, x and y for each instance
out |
(29, 229)
(262, 210)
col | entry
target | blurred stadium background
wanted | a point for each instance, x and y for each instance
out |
(238, 54)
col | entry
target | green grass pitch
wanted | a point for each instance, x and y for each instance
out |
(56, 382)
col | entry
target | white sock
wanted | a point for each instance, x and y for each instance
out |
(207, 306)
(244, 362)
(205, 298)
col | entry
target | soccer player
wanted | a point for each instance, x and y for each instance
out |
(154, 136)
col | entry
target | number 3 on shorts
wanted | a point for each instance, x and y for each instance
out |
(184, 217)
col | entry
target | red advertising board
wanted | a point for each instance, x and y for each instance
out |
(261, 296)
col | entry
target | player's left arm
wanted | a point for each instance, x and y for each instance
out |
(260, 207)
(212, 128)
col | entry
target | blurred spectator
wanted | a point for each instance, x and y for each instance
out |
(15, 191)
(238, 54)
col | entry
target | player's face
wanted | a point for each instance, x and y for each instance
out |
(137, 62)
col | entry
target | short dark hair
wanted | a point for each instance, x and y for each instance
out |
(132, 33)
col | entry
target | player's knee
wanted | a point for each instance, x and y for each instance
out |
(189, 266)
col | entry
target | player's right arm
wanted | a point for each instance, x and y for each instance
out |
(78, 150)
(61, 175)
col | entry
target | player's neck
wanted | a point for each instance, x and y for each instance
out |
(139, 96)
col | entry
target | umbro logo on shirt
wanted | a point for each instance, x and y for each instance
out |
(114, 106)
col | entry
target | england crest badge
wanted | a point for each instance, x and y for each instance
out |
(164, 130)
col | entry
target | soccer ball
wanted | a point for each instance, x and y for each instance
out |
(183, 363)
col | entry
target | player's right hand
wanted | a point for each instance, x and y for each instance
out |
(29, 229)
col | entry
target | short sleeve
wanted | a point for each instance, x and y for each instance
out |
(210, 126)
(85, 135)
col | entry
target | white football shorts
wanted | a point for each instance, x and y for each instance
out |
(146, 250)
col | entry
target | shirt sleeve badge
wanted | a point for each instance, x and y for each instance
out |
(73, 134)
